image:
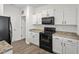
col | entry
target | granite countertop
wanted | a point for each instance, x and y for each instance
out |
(4, 46)
(37, 30)
(66, 35)
(60, 34)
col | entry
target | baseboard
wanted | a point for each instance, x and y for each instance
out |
(17, 40)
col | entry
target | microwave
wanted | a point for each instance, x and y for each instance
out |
(48, 21)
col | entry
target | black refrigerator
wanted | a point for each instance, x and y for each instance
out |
(5, 29)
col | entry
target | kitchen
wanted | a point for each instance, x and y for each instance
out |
(64, 25)
(65, 40)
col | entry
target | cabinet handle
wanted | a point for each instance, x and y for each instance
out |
(33, 36)
(62, 22)
(61, 43)
(56, 38)
(65, 22)
(64, 44)
(69, 41)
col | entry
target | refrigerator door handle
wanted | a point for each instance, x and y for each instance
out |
(10, 30)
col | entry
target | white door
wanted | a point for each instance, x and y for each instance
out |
(70, 16)
(57, 45)
(58, 12)
(23, 27)
(70, 49)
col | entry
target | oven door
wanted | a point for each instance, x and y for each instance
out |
(46, 41)
(45, 37)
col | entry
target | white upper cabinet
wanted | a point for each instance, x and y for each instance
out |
(58, 15)
(70, 16)
(64, 15)
(50, 12)
(1, 9)
(37, 18)
(34, 19)
(44, 13)
(78, 21)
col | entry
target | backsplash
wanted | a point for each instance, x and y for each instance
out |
(66, 28)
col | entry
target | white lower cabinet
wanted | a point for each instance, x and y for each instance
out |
(70, 49)
(69, 46)
(78, 47)
(64, 46)
(34, 38)
(57, 45)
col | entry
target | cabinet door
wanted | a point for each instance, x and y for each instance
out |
(69, 46)
(39, 18)
(36, 39)
(50, 12)
(70, 49)
(57, 45)
(70, 16)
(31, 37)
(78, 20)
(1, 9)
(34, 20)
(58, 15)
(78, 47)
(44, 13)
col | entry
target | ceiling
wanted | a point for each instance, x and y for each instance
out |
(24, 5)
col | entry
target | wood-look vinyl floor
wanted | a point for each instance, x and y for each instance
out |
(20, 47)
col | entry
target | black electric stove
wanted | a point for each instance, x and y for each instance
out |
(46, 38)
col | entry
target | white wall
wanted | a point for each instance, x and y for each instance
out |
(15, 15)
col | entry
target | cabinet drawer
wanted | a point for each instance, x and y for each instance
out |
(36, 36)
(70, 41)
(57, 37)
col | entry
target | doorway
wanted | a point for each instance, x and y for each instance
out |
(23, 27)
